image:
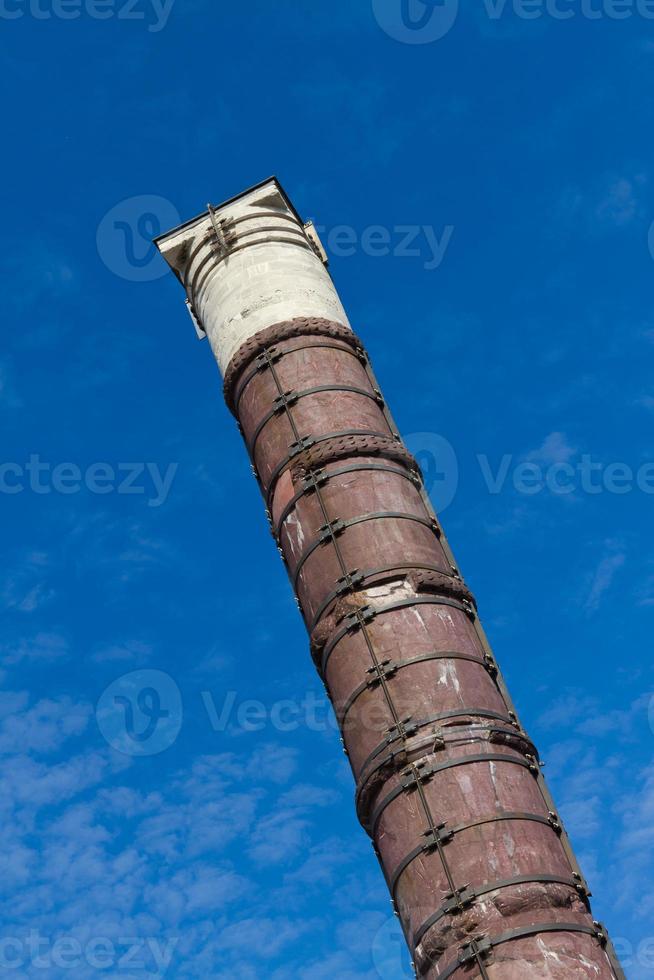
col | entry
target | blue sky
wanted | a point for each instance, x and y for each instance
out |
(515, 344)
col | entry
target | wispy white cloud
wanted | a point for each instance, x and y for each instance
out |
(39, 646)
(612, 202)
(621, 202)
(554, 449)
(645, 595)
(43, 727)
(602, 775)
(25, 586)
(602, 577)
(88, 855)
(9, 397)
(133, 651)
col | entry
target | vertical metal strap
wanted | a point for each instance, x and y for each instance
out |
(488, 651)
(477, 950)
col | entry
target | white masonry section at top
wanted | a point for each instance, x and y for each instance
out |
(248, 264)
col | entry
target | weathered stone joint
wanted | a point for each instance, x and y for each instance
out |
(422, 770)
(440, 583)
(482, 946)
(285, 330)
(345, 447)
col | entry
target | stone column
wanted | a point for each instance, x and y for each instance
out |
(448, 783)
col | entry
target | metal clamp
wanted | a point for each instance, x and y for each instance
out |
(330, 530)
(462, 898)
(435, 838)
(381, 672)
(306, 442)
(371, 821)
(349, 582)
(358, 619)
(479, 948)
(403, 729)
(474, 950)
(443, 834)
(469, 609)
(283, 401)
(267, 357)
(459, 900)
(395, 666)
(554, 822)
(314, 480)
(417, 773)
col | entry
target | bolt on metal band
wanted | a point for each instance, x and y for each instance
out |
(482, 946)
(429, 772)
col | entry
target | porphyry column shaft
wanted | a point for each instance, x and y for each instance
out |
(448, 784)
